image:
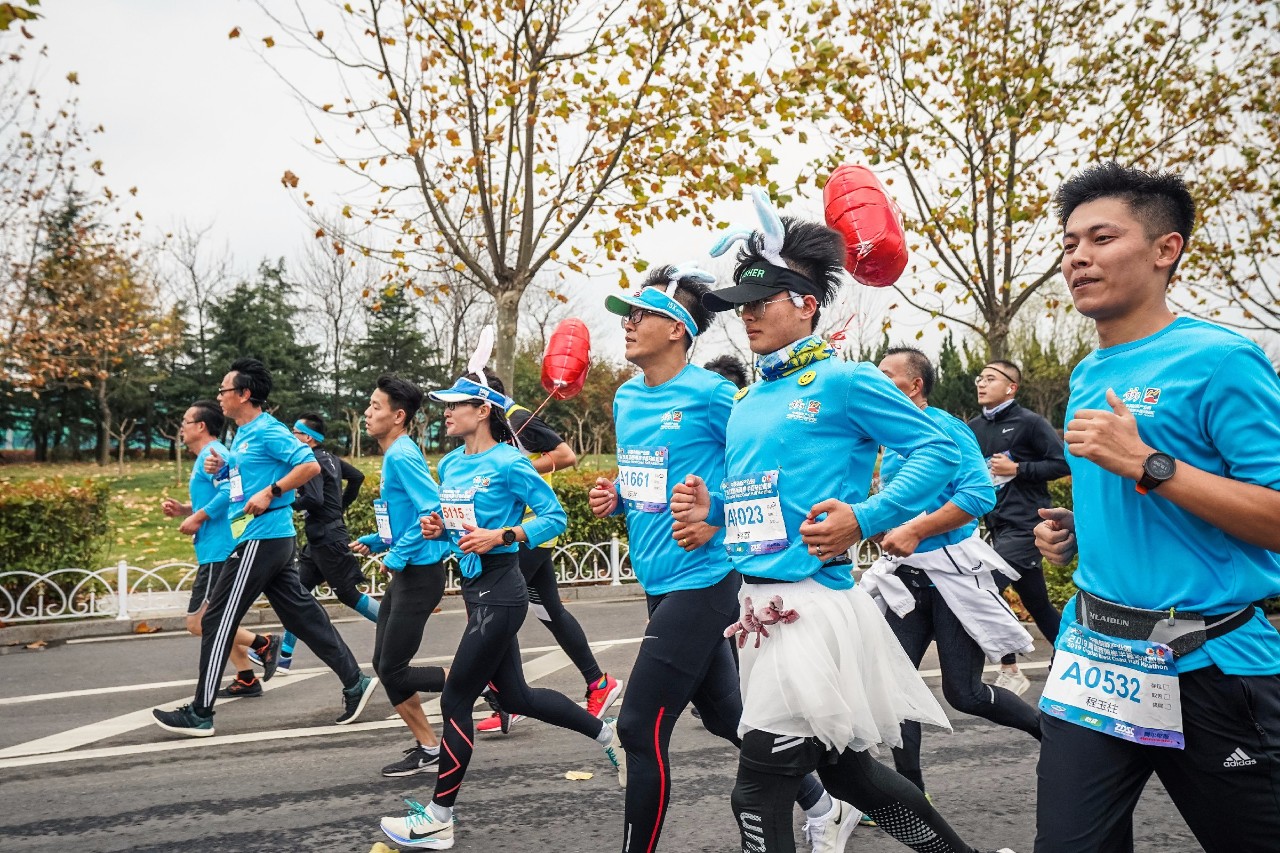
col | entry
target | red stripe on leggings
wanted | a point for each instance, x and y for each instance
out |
(662, 780)
(454, 723)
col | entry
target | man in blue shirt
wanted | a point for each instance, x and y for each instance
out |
(826, 680)
(265, 465)
(948, 524)
(670, 422)
(1164, 665)
(205, 519)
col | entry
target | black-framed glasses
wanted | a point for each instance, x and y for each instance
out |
(635, 315)
(222, 391)
(757, 308)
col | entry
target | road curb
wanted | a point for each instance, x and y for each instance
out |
(17, 637)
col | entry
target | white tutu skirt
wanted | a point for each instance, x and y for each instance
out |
(837, 673)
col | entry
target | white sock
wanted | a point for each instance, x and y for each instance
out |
(431, 750)
(440, 813)
(822, 808)
(605, 738)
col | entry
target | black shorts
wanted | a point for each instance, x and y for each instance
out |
(200, 586)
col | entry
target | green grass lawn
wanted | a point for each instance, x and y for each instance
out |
(140, 533)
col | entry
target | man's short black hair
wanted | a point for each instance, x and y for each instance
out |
(210, 414)
(253, 375)
(402, 394)
(689, 294)
(730, 368)
(314, 421)
(1160, 200)
(809, 248)
(921, 367)
(1011, 371)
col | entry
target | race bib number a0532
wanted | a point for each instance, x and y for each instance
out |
(1125, 688)
(753, 515)
(642, 478)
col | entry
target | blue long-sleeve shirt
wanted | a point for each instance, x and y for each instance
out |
(213, 541)
(410, 493)
(970, 489)
(496, 486)
(263, 452)
(821, 429)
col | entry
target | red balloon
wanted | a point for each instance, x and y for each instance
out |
(859, 207)
(568, 355)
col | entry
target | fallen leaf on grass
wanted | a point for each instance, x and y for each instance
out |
(38, 644)
(144, 628)
(578, 775)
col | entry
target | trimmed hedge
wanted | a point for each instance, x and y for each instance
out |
(46, 525)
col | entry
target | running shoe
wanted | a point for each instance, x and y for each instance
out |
(416, 760)
(282, 667)
(830, 834)
(355, 698)
(1015, 682)
(239, 688)
(270, 656)
(419, 829)
(499, 720)
(603, 694)
(614, 752)
(184, 721)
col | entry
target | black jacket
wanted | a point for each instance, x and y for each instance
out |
(323, 499)
(1036, 447)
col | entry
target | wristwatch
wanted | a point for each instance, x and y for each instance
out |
(1157, 468)
(508, 536)
(276, 491)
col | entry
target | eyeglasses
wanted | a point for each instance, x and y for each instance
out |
(190, 423)
(756, 309)
(634, 317)
(449, 407)
(222, 391)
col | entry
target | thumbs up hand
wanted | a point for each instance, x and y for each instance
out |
(1109, 438)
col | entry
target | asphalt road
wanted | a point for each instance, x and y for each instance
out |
(83, 769)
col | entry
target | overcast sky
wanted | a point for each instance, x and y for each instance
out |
(205, 130)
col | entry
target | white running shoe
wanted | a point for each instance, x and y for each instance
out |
(419, 829)
(614, 752)
(1015, 682)
(830, 834)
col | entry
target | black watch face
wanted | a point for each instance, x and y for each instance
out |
(508, 537)
(1161, 466)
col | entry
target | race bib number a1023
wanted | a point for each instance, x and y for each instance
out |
(753, 515)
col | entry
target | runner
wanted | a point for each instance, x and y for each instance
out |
(670, 421)
(730, 368)
(1023, 453)
(416, 566)
(1173, 433)
(264, 466)
(205, 519)
(549, 453)
(944, 575)
(485, 486)
(327, 557)
(828, 680)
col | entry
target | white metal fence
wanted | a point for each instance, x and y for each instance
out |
(126, 592)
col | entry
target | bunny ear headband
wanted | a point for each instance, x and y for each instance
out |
(465, 389)
(662, 300)
(765, 278)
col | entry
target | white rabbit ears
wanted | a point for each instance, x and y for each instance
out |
(768, 239)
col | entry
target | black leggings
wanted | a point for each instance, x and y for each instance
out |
(411, 597)
(770, 771)
(961, 661)
(684, 657)
(1019, 550)
(488, 655)
(544, 601)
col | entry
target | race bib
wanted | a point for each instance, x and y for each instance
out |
(237, 485)
(753, 515)
(457, 509)
(383, 519)
(1125, 688)
(642, 478)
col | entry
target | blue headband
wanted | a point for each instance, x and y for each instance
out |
(299, 426)
(655, 300)
(465, 389)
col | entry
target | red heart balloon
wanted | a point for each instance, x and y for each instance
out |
(859, 207)
(565, 362)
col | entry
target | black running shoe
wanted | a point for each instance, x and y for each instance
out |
(355, 698)
(184, 721)
(270, 656)
(416, 760)
(240, 688)
(504, 719)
